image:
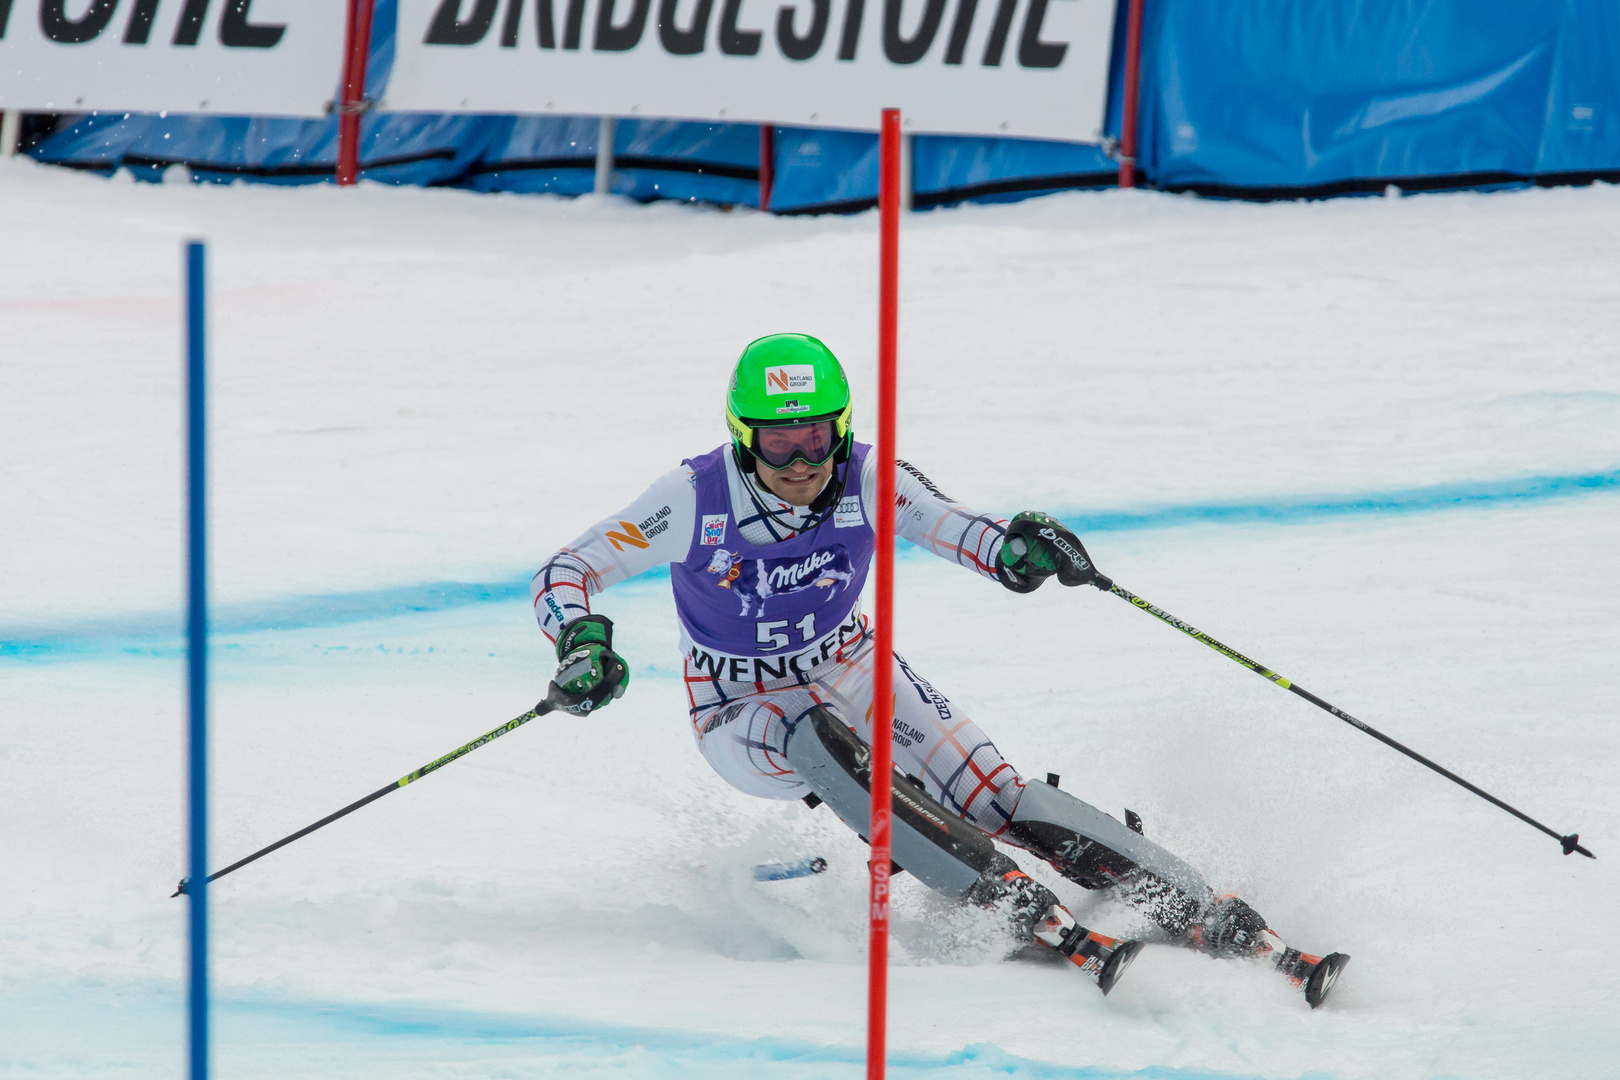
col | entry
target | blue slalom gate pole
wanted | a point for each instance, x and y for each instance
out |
(197, 652)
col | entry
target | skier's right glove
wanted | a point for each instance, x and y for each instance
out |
(1038, 546)
(589, 673)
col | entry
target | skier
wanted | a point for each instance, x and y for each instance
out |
(768, 539)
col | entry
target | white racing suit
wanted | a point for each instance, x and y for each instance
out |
(744, 712)
(735, 722)
(791, 716)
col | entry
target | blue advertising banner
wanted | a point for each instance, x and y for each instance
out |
(1313, 94)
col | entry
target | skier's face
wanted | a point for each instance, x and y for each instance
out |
(798, 484)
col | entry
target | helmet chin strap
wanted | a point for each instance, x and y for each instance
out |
(830, 493)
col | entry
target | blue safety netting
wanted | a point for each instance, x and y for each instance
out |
(395, 148)
(817, 169)
(1285, 97)
(653, 159)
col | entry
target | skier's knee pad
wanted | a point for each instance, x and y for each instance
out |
(932, 844)
(1092, 849)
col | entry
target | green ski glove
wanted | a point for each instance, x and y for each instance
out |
(1036, 547)
(589, 673)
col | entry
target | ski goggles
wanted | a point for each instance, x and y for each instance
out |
(813, 443)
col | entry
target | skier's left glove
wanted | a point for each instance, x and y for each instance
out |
(1038, 546)
(589, 673)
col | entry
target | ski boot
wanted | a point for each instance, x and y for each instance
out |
(1233, 928)
(1008, 889)
(1102, 958)
(1035, 915)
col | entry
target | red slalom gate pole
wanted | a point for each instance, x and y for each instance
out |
(767, 164)
(357, 47)
(1133, 82)
(877, 995)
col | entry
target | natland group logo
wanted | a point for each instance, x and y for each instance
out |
(790, 379)
(630, 537)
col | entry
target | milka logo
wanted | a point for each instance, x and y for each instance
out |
(791, 575)
(1067, 548)
(754, 581)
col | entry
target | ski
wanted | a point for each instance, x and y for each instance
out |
(1102, 958)
(1234, 929)
(785, 871)
(1315, 974)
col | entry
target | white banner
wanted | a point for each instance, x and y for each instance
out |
(1035, 68)
(261, 57)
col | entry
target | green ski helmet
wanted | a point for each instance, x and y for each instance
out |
(789, 400)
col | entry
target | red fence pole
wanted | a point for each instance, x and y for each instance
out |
(877, 999)
(1133, 82)
(767, 164)
(356, 49)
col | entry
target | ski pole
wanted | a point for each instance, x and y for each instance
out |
(541, 709)
(1571, 842)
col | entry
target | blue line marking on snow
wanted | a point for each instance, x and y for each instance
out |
(132, 1027)
(1436, 497)
(675, 1052)
(158, 635)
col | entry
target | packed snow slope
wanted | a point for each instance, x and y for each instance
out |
(1374, 444)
